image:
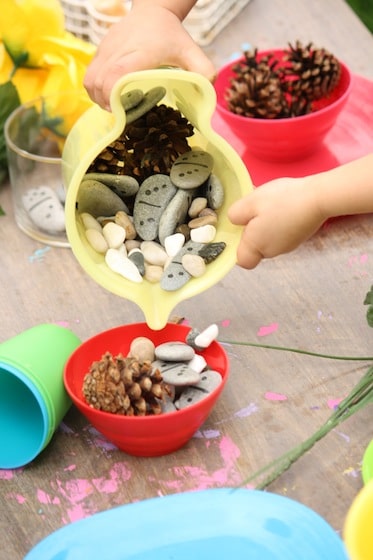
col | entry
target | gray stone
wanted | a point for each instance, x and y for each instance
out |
(131, 99)
(190, 395)
(45, 209)
(98, 200)
(191, 338)
(214, 192)
(192, 169)
(174, 351)
(174, 214)
(209, 380)
(151, 200)
(137, 257)
(175, 276)
(210, 251)
(179, 374)
(150, 100)
(123, 185)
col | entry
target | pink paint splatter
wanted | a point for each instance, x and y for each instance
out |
(227, 475)
(18, 497)
(45, 498)
(264, 331)
(333, 403)
(225, 323)
(70, 468)
(270, 396)
(6, 474)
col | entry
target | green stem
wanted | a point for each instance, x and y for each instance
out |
(298, 351)
(360, 396)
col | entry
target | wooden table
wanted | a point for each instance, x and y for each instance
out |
(310, 299)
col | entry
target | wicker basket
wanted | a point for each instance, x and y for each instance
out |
(76, 18)
(204, 22)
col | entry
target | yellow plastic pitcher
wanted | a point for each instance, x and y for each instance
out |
(194, 97)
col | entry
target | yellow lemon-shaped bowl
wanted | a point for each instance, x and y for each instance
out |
(358, 530)
(195, 98)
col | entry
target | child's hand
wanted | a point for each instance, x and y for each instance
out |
(147, 37)
(277, 216)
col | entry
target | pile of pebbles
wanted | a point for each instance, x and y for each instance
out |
(151, 379)
(162, 230)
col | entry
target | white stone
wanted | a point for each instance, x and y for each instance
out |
(114, 235)
(96, 240)
(122, 265)
(173, 243)
(45, 209)
(204, 339)
(154, 253)
(198, 363)
(89, 222)
(194, 265)
(203, 234)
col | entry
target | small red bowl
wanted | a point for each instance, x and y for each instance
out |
(142, 436)
(285, 139)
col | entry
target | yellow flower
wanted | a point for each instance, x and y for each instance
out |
(41, 58)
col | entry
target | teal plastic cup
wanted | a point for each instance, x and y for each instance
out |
(33, 399)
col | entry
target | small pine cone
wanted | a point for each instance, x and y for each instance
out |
(256, 90)
(115, 159)
(124, 386)
(157, 139)
(313, 72)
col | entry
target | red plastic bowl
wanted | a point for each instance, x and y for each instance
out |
(143, 436)
(285, 139)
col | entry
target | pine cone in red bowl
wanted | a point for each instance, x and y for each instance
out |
(282, 103)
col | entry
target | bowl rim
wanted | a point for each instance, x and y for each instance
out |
(268, 122)
(151, 417)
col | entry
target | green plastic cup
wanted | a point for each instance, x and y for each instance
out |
(33, 399)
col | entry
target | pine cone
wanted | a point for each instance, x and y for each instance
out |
(124, 386)
(313, 72)
(256, 89)
(147, 146)
(115, 159)
(157, 139)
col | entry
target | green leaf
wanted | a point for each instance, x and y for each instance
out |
(9, 100)
(369, 297)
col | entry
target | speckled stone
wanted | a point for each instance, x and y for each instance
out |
(174, 351)
(209, 380)
(191, 337)
(192, 169)
(175, 276)
(153, 197)
(123, 185)
(174, 214)
(131, 99)
(45, 209)
(150, 100)
(214, 192)
(179, 374)
(97, 199)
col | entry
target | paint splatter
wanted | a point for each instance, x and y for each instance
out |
(333, 403)
(266, 330)
(247, 411)
(270, 396)
(18, 497)
(226, 323)
(39, 254)
(207, 434)
(354, 473)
